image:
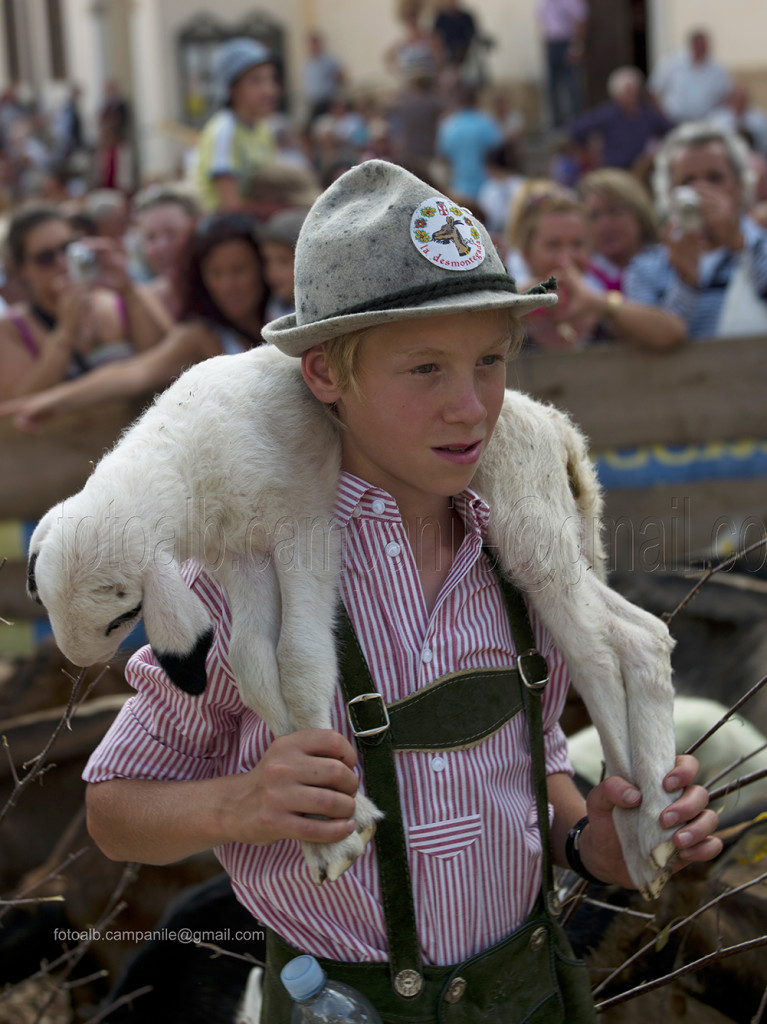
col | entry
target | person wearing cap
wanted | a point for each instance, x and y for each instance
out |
(237, 141)
(405, 317)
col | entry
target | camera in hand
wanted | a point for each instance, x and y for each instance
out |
(685, 208)
(82, 262)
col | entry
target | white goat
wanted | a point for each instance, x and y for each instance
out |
(236, 465)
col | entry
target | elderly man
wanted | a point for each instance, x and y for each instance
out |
(711, 270)
(626, 126)
(689, 84)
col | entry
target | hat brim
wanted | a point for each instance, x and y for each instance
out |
(292, 339)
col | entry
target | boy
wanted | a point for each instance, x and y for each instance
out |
(278, 238)
(237, 141)
(405, 339)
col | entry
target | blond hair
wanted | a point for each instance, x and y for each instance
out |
(534, 200)
(342, 353)
(626, 189)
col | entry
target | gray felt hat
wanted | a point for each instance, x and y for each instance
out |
(380, 245)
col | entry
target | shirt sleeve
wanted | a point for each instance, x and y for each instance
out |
(164, 733)
(651, 281)
(758, 251)
(220, 144)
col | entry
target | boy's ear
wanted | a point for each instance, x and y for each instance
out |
(318, 375)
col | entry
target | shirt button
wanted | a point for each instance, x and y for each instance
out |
(426, 656)
(356, 512)
(379, 506)
(392, 549)
(438, 764)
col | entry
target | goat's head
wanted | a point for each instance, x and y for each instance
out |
(95, 595)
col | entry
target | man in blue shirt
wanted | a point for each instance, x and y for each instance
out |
(464, 139)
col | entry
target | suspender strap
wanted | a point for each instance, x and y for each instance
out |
(391, 848)
(534, 674)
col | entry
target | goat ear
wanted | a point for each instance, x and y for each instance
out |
(178, 627)
(39, 534)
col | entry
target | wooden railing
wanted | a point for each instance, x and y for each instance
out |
(620, 396)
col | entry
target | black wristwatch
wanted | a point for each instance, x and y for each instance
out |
(573, 853)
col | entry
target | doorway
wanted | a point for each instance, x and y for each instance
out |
(617, 35)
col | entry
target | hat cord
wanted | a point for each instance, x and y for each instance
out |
(420, 294)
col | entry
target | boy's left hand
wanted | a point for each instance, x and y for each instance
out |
(694, 821)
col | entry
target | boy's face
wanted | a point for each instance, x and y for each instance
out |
(255, 93)
(430, 392)
(278, 269)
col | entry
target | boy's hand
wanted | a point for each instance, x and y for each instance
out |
(599, 846)
(304, 773)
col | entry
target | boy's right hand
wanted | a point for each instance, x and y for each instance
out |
(304, 773)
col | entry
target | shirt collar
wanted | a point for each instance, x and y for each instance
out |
(358, 499)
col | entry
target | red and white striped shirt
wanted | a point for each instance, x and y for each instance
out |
(469, 815)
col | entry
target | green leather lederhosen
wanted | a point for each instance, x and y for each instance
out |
(532, 975)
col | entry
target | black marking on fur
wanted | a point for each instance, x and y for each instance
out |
(187, 671)
(31, 581)
(122, 619)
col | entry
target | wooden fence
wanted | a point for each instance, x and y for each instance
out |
(701, 408)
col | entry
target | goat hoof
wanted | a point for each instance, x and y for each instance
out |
(327, 862)
(653, 889)
(663, 854)
(337, 868)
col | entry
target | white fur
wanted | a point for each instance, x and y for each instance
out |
(236, 465)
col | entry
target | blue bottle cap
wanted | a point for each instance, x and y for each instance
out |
(303, 977)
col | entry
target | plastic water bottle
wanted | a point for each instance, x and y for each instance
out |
(319, 1001)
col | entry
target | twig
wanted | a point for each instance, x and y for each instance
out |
(51, 874)
(618, 910)
(69, 959)
(37, 763)
(696, 965)
(669, 617)
(33, 899)
(227, 952)
(735, 764)
(736, 784)
(736, 706)
(757, 1018)
(687, 920)
(103, 1014)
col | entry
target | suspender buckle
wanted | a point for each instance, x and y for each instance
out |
(356, 724)
(533, 669)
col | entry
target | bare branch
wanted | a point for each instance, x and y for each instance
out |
(735, 764)
(758, 1016)
(103, 1014)
(736, 706)
(687, 920)
(696, 965)
(33, 899)
(736, 784)
(669, 617)
(227, 952)
(38, 762)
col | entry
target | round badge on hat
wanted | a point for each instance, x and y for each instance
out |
(446, 235)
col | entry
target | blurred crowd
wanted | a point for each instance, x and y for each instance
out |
(650, 210)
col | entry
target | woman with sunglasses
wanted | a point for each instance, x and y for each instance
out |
(66, 327)
(222, 313)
